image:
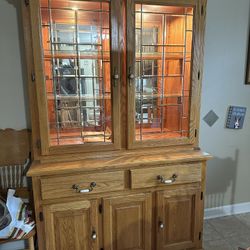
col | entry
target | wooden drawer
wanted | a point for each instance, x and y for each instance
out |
(160, 176)
(62, 186)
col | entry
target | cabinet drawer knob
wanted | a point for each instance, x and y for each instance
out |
(161, 225)
(131, 76)
(94, 235)
(116, 77)
(86, 190)
(167, 181)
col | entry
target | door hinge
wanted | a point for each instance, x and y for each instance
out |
(33, 77)
(179, 100)
(202, 10)
(199, 235)
(38, 144)
(100, 208)
(41, 216)
(201, 195)
(195, 132)
(199, 75)
(27, 2)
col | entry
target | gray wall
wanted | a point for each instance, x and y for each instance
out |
(12, 94)
(13, 104)
(223, 85)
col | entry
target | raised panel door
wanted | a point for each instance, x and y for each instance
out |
(71, 226)
(178, 219)
(128, 222)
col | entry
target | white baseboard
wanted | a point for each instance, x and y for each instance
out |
(227, 210)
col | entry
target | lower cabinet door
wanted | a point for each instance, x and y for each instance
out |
(178, 214)
(71, 226)
(128, 222)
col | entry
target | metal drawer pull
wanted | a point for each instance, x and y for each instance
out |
(161, 225)
(86, 190)
(169, 181)
(94, 235)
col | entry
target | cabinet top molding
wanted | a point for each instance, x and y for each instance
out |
(117, 162)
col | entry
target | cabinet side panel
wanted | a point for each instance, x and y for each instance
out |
(39, 75)
(31, 86)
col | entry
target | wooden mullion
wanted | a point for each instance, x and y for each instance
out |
(131, 69)
(116, 22)
(168, 2)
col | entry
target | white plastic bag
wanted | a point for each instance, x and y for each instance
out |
(20, 224)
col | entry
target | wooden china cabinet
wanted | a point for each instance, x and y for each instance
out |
(114, 90)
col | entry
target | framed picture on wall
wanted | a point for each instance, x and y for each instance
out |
(248, 63)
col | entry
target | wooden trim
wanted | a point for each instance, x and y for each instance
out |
(31, 86)
(168, 2)
(160, 142)
(38, 209)
(116, 20)
(195, 69)
(89, 147)
(124, 162)
(201, 20)
(130, 70)
(197, 55)
(201, 204)
(35, 20)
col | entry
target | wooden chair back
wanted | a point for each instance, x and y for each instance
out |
(14, 159)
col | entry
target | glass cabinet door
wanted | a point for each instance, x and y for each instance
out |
(76, 44)
(161, 59)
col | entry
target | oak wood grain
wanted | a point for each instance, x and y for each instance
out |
(127, 222)
(133, 202)
(126, 161)
(29, 59)
(59, 187)
(14, 146)
(35, 20)
(147, 177)
(70, 225)
(177, 210)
